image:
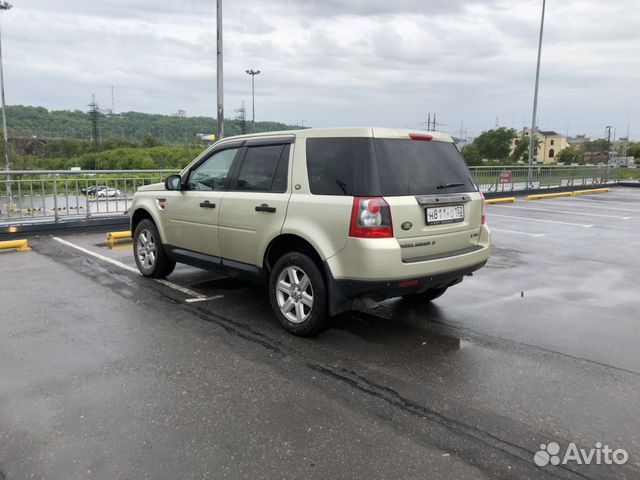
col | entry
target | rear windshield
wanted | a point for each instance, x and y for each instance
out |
(408, 167)
(385, 167)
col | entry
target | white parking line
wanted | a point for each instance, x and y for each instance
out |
(561, 211)
(590, 205)
(204, 299)
(603, 201)
(540, 220)
(621, 197)
(198, 297)
(518, 233)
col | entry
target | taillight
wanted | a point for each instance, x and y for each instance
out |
(484, 218)
(370, 218)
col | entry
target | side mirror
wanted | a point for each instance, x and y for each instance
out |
(173, 182)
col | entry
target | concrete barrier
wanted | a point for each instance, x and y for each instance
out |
(492, 201)
(19, 245)
(113, 237)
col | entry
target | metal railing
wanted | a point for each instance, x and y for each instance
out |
(53, 195)
(512, 179)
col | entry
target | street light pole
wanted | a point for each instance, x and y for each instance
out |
(219, 71)
(5, 138)
(253, 74)
(532, 133)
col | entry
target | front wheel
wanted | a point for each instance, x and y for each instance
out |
(151, 259)
(298, 295)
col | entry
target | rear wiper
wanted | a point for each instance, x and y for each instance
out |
(449, 185)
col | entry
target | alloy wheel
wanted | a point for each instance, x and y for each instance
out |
(294, 294)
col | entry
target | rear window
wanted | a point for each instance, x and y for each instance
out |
(407, 167)
(385, 167)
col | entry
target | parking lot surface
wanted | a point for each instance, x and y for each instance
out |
(106, 374)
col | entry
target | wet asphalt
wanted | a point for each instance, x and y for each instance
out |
(105, 374)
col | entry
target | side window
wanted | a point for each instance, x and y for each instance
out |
(212, 174)
(331, 163)
(264, 169)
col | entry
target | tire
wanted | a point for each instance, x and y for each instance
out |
(426, 296)
(298, 295)
(148, 251)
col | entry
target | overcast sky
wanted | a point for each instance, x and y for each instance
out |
(335, 63)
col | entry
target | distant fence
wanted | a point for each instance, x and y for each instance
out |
(28, 196)
(513, 179)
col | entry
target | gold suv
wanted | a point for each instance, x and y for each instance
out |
(327, 218)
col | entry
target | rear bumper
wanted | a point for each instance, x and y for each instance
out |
(374, 268)
(343, 293)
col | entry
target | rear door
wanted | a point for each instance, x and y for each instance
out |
(254, 208)
(435, 205)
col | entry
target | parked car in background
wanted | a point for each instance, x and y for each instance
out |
(327, 218)
(107, 192)
(91, 190)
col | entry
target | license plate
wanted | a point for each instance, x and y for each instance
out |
(448, 214)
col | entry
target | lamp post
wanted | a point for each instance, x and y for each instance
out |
(5, 139)
(253, 74)
(532, 137)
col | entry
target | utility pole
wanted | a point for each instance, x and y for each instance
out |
(429, 122)
(608, 130)
(219, 72)
(532, 137)
(113, 107)
(94, 114)
(5, 138)
(253, 74)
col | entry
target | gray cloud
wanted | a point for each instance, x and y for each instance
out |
(334, 62)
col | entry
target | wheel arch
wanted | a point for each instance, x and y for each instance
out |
(142, 213)
(289, 242)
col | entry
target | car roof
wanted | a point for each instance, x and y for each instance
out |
(366, 132)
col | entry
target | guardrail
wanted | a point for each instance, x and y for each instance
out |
(45, 195)
(512, 179)
(28, 196)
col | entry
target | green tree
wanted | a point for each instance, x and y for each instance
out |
(521, 150)
(471, 155)
(633, 150)
(495, 144)
(149, 141)
(567, 155)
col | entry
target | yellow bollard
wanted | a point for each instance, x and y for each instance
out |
(113, 237)
(19, 245)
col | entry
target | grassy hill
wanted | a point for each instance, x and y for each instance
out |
(26, 121)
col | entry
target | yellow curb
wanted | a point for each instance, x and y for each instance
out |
(491, 201)
(591, 190)
(19, 245)
(542, 196)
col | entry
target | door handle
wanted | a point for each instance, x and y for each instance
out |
(207, 204)
(265, 208)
